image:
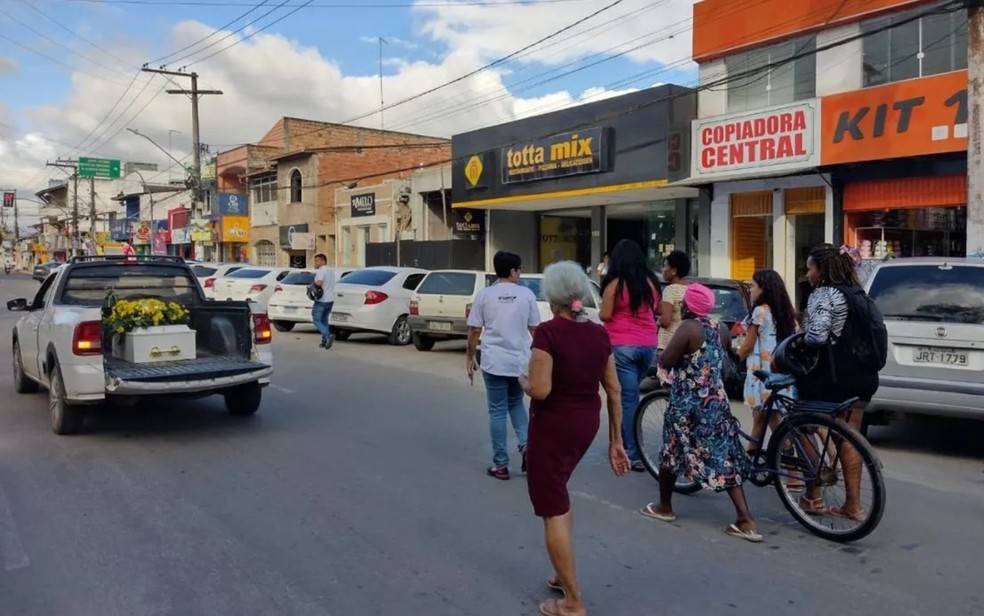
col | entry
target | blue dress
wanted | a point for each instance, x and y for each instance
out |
(756, 394)
(700, 435)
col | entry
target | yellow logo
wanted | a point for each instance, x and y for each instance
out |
(473, 170)
(468, 217)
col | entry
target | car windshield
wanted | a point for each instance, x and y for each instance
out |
(444, 283)
(248, 273)
(951, 294)
(304, 278)
(368, 277)
(729, 304)
(202, 271)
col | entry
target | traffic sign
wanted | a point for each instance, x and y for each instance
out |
(99, 168)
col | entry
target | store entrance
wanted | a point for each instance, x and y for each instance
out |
(808, 231)
(565, 236)
(651, 225)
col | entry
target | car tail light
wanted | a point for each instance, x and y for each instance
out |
(375, 297)
(468, 308)
(262, 333)
(257, 288)
(87, 339)
(278, 289)
(738, 329)
(209, 283)
(414, 307)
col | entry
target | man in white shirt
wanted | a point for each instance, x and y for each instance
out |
(503, 316)
(324, 279)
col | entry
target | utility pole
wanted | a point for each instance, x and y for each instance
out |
(92, 210)
(74, 166)
(975, 125)
(382, 41)
(194, 93)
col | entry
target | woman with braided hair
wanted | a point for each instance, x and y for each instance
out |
(831, 313)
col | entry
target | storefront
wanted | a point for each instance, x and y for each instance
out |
(233, 228)
(178, 220)
(570, 185)
(769, 204)
(901, 181)
(297, 245)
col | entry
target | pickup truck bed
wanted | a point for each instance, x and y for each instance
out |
(182, 370)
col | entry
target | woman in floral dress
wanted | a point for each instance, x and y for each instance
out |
(700, 434)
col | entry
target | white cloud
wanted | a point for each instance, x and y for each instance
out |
(269, 76)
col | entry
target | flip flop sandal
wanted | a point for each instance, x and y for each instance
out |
(795, 486)
(812, 506)
(840, 512)
(747, 535)
(554, 584)
(650, 512)
(551, 607)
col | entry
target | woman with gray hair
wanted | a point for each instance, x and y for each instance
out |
(571, 356)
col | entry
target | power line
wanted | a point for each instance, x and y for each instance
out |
(254, 33)
(56, 60)
(67, 29)
(205, 38)
(327, 5)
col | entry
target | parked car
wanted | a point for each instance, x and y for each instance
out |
(592, 304)
(208, 273)
(43, 270)
(254, 284)
(934, 312)
(376, 299)
(440, 306)
(59, 344)
(289, 304)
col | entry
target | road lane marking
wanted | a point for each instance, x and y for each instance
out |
(282, 389)
(602, 501)
(12, 553)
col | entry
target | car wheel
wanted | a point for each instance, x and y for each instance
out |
(341, 334)
(422, 343)
(244, 400)
(22, 384)
(65, 418)
(283, 326)
(401, 334)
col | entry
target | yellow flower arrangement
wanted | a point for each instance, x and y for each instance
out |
(128, 315)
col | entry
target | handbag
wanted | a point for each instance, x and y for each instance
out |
(729, 369)
(314, 292)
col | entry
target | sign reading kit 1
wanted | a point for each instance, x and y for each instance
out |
(363, 205)
(99, 168)
(565, 154)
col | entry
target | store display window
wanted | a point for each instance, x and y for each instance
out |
(910, 232)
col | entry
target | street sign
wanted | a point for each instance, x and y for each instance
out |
(99, 168)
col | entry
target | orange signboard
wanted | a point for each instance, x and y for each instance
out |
(235, 229)
(908, 118)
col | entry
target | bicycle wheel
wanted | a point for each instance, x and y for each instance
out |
(649, 437)
(812, 447)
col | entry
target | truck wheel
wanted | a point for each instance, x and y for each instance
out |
(401, 334)
(283, 326)
(244, 400)
(422, 343)
(65, 418)
(22, 384)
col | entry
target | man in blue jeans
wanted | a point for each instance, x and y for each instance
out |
(503, 316)
(324, 279)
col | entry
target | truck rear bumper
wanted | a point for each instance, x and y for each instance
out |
(194, 376)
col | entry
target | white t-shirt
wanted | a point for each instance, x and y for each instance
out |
(506, 311)
(327, 278)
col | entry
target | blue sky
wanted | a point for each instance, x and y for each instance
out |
(60, 80)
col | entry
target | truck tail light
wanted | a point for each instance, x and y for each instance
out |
(87, 338)
(414, 307)
(209, 283)
(257, 288)
(262, 333)
(278, 289)
(375, 297)
(468, 308)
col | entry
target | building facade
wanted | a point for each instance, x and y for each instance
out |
(569, 185)
(830, 121)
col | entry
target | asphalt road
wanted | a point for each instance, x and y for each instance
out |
(359, 489)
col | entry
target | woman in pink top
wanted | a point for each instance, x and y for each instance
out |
(630, 300)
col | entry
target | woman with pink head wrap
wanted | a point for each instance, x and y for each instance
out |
(700, 434)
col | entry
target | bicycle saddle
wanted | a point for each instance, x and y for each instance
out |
(775, 382)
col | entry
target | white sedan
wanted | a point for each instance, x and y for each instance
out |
(254, 284)
(592, 304)
(208, 273)
(376, 299)
(290, 304)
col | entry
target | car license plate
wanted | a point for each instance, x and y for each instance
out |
(441, 327)
(340, 316)
(943, 357)
(290, 309)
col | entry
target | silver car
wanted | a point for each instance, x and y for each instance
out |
(934, 313)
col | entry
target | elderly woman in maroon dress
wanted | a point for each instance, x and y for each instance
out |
(571, 356)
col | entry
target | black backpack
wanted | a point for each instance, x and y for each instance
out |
(864, 341)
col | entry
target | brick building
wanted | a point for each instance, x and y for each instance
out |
(289, 179)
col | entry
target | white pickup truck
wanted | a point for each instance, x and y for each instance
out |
(59, 343)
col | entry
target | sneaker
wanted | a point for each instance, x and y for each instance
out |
(499, 472)
(322, 344)
(330, 341)
(522, 452)
(638, 466)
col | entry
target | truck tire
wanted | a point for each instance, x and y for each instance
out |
(283, 326)
(244, 400)
(65, 418)
(422, 343)
(22, 384)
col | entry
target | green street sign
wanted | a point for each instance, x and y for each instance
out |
(99, 168)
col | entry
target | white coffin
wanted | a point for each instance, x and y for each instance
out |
(160, 343)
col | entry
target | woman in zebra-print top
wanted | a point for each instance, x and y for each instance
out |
(831, 270)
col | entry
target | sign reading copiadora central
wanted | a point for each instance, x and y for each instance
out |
(570, 153)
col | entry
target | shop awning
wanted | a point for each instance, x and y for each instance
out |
(640, 192)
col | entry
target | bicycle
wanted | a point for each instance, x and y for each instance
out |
(797, 452)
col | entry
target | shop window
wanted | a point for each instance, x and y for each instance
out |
(929, 45)
(754, 85)
(266, 254)
(751, 233)
(264, 189)
(296, 187)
